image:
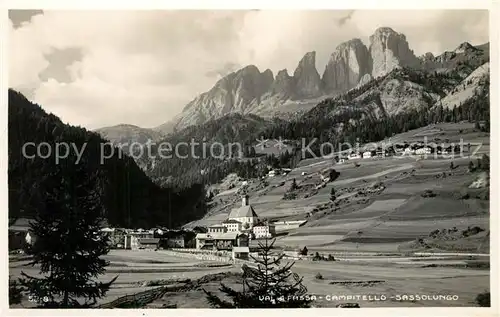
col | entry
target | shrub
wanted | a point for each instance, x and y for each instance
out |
(484, 194)
(471, 167)
(472, 231)
(332, 194)
(464, 194)
(304, 251)
(317, 257)
(15, 292)
(485, 162)
(483, 299)
(333, 175)
(289, 196)
(434, 233)
(318, 276)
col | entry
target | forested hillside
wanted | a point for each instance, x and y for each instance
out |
(402, 100)
(131, 199)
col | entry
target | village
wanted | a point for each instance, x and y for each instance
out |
(233, 235)
(368, 220)
(238, 235)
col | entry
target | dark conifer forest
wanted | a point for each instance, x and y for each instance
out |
(130, 199)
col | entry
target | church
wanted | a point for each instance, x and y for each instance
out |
(244, 214)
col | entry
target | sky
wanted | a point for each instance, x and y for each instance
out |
(102, 68)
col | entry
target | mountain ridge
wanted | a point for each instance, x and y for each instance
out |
(351, 65)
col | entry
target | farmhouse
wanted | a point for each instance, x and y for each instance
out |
(221, 241)
(232, 225)
(288, 225)
(245, 214)
(241, 253)
(176, 239)
(142, 234)
(217, 229)
(262, 230)
(20, 233)
(354, 156)
(148, 243)
(131, 242)
(423, 150)
(175, 242)
(116, 236)
(408, 151)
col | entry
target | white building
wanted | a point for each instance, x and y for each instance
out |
(240, 253)
(30, 238)
(367, 154)
(232, 225)
(217, 229)
(262, 230)
(245, 214)
(221, 241)
(422, 151)
(408, 151)
(353, 156)
(131, 242)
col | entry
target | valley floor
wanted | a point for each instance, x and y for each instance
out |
(351, 274)
(381, 218)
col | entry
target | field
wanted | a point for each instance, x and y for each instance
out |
(389, 276)
(383, 214)
(391, 219)
(369, 220)
(136, 270)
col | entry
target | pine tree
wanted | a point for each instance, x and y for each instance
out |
(69, 243)
(15, 292)
(252, 152)
(304, 251)
(485, 162)
(270, 285)
(471, 167)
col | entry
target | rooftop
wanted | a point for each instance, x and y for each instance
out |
(243, 211)
(218, 236)
(20, 224)
(241, 249)
(149, 240)
(262, 224)
(231, 221)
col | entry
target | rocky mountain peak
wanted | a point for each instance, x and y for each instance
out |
(386, 31)
(427, 56)
(282, 74)
(306, 77)
(347, 65)
(389, 50)
(283, 84)
(465, 47)
(248, 70)
(352, 64)
(268, 73)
